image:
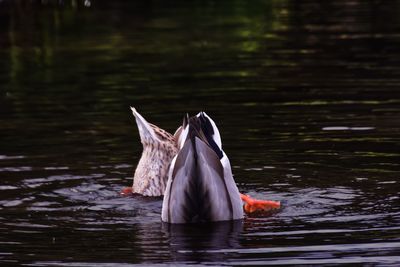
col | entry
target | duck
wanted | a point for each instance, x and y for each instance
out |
(200, 185)
(192, 172)
(159, 148)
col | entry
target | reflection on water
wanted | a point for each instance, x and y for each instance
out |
(306, 95)
(192, 243)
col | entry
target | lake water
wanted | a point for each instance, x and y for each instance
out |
(306, 96)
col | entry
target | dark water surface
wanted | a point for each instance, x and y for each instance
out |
(306, 95)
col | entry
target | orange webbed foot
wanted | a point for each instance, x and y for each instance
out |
(255, 205)
(126, 191)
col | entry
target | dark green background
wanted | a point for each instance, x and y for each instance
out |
(306, 95)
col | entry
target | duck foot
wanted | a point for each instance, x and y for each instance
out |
(255, 205)
(126, 191)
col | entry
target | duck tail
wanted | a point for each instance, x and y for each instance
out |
(146, 131)
(197, 188)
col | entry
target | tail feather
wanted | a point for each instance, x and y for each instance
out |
(146, 131)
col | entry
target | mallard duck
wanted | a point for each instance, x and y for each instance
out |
(192, 170)
(200, 182)
(159, 148)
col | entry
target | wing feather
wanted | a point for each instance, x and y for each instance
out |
(178, 205)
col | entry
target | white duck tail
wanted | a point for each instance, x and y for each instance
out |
(200, 185)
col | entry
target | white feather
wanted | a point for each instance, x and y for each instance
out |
(183, 136)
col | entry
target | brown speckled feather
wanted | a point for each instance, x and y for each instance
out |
(159, 148)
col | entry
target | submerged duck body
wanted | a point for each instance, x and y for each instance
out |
(200, 185)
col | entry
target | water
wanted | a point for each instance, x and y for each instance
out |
(306, 96)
